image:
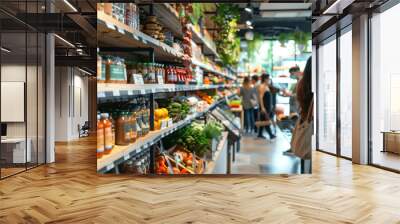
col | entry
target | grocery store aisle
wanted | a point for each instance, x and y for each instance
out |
(262, 156)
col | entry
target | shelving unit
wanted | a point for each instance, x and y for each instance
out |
(120, 154)
(107, 91)
(113, 33)
(118, 38)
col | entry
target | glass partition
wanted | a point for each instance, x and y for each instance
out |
(385, 89)
(327, 96)
(346, 94)
(22, 90)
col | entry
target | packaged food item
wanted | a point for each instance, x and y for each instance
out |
(116, 70)
(121, 130)
(101, 69)
(100, 137)
(107, 7)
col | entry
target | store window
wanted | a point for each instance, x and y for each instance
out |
(326, 103)
(346, 93)
(385, 89)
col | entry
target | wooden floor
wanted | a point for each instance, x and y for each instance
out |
(70, 191)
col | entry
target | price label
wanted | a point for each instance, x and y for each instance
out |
(164, 124)
(110, 166)
(130, 92)
(126, 157)
(138, 79)
(160, 79)
(170, 122)
(116, 93)
(120, 30)
(110, 26)
(143, 91)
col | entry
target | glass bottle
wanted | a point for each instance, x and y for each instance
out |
(107, 133)
(100, 137)
(139, 132)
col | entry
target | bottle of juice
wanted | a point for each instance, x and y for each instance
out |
(100, 137)
(107, 133)
(127, 127)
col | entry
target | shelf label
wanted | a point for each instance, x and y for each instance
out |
(110, 166)
(130, 92)
(116, 93)
(126, 157)
(160, 79)
(110, 26)
(120, 30)
(138, 79)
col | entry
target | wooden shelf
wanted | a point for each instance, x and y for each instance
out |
(212, 70)
(113, 33)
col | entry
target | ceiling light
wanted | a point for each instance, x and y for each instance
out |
(248, 23)
(5, 50)
(248, 9)
(251, 27)
(70, 5)
(65, 41)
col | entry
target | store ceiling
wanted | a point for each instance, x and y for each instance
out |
(274, 17)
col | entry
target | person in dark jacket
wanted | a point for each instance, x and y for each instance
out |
(265, 100)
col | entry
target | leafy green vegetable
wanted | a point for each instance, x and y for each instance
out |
(213, 130)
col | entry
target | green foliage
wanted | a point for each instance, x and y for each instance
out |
(213, 130)
(197, 14)
(253, 46)
(228, 45)
(195, 137)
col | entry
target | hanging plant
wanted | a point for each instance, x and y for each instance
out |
(197, 13)
(228, 45)
(301, 39)
(253, 46)
(283, 39)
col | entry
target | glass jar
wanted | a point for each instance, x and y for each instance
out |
(139, 130)
(121, 129)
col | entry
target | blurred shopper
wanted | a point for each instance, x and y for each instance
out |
(265, 100)
(302, 134)
(255, 81)
(274, 92)
(249, 102)
(296, 74)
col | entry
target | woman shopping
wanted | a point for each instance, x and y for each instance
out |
(249, 102)
(302, 134)
(265, 100)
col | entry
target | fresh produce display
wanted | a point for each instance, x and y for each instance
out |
(161, 118)
(235, 103)
(167, 165)
(179, 111)
(185, 132)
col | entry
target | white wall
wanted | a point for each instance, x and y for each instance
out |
(71, 102)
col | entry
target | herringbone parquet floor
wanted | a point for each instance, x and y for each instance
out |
(70, 191)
